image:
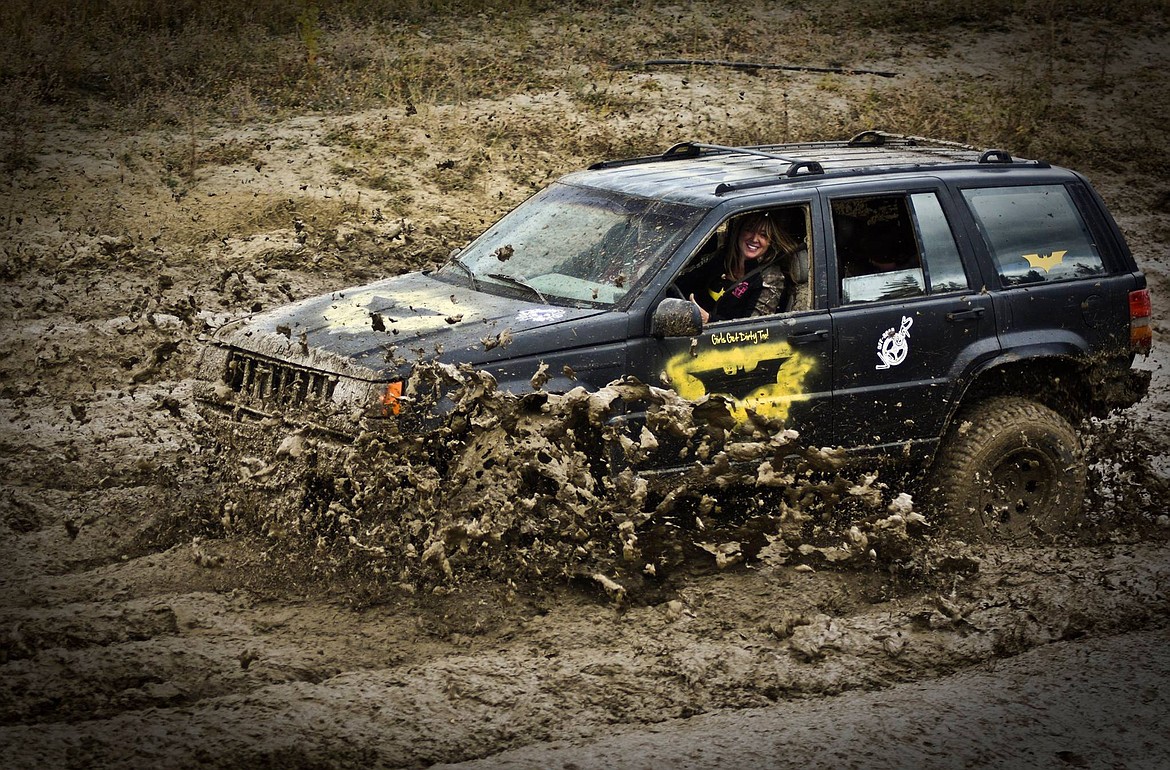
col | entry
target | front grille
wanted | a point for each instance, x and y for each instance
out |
(276, 382)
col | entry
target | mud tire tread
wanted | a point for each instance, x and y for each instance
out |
(980, 437)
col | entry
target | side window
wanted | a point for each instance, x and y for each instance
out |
(789, 280)
(944, 267)
(877, 249)
(732, 280)
(1035, 234)
(895, 246)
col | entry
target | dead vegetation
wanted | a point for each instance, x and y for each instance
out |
(179, 65)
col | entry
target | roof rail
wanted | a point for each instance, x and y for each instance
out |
(802, 167)
(796, 165)
(875, 138)
(686, 150)
(878, 138)
(868, 139)
(995, 156)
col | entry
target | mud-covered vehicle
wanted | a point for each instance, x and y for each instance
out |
(950, 310)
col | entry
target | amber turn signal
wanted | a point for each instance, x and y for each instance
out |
(391, 404)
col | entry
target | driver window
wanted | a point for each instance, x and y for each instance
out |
(754, 264)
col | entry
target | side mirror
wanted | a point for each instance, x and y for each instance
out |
(676, 318)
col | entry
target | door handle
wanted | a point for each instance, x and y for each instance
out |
(966, 315)
(805, 338)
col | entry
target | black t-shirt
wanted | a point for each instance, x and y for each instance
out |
(721, 297)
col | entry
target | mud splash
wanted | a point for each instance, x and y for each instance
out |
(545, 486)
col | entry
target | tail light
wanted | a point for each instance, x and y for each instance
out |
(1141, 336)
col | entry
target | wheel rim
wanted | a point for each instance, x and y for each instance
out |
(1021, 496)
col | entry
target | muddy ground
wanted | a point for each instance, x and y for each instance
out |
(138, 631)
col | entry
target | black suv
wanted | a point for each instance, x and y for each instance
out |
(946, 308)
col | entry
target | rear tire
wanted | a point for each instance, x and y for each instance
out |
(1010, 471)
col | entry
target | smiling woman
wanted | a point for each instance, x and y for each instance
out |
(729, 287)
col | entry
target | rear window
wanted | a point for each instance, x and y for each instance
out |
(1035, 234)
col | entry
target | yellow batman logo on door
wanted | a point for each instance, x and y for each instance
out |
(1046, 262)
(738, 371)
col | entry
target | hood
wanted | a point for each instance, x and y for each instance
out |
(376, 331)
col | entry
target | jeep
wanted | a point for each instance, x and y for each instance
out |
(956, 312)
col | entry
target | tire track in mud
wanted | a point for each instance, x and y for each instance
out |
(401, 698)
(175, 656)
(1088, 703)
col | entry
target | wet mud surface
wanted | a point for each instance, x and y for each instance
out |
(170, 596)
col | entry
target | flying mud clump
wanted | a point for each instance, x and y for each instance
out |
(546, 486)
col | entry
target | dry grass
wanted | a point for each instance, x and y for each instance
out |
(139, 62)
(296, 54)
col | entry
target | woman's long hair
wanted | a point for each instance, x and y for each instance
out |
(779, 242)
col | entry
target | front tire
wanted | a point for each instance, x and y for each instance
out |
(1010, 471)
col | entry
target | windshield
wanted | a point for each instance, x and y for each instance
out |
(575, 245)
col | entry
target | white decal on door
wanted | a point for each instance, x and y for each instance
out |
(894, 344)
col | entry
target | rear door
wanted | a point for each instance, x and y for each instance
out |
(908, 318)
(1065, 289)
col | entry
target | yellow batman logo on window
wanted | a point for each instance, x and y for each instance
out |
(1047, 261)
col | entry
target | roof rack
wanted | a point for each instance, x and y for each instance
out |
(686, 150)
(806, 166)
(874, 138)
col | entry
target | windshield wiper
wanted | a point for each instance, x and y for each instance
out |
(455, 260)
(514, 281)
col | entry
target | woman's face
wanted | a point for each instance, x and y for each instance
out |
(753, 241)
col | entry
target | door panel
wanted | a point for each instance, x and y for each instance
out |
(897, 363)
(907, 327)
(778, 367)
(1053, 267)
